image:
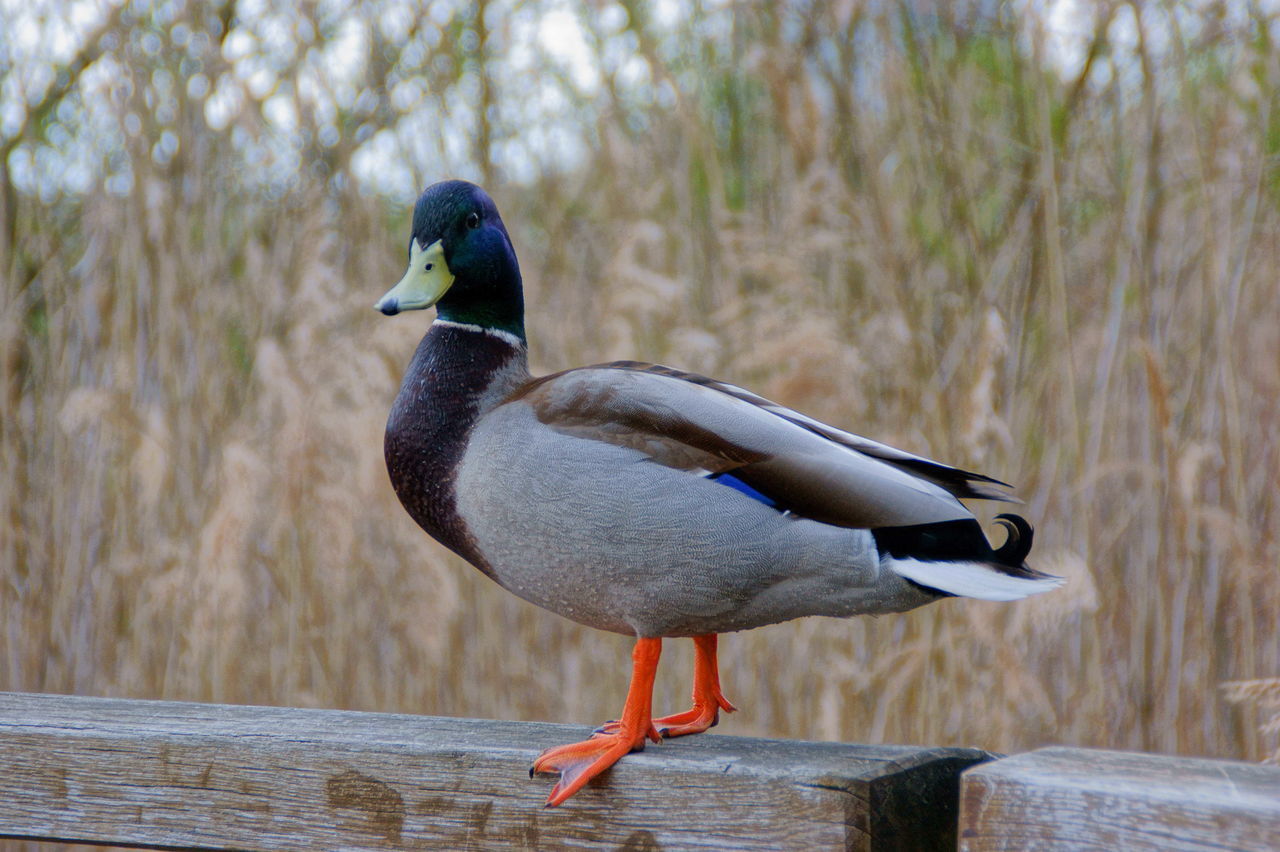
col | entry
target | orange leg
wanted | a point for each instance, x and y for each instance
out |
(708, 701)
(580, 762)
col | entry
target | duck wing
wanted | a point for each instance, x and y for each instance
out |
(700, 425)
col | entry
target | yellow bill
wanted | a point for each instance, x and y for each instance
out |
(425, 281)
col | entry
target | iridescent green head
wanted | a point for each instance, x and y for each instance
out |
(461, 261)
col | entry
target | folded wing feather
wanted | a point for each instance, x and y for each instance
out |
(961, 483)
(693, 423)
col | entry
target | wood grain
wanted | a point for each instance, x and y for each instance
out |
(182, 776)
(1072, 798)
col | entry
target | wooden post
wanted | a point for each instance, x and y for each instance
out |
(1075, 798)
(186, 776)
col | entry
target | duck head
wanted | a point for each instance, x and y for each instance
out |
(461, 261)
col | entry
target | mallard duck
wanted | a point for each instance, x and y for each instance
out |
(653, 502)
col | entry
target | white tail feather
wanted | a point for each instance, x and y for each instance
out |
(971, 579)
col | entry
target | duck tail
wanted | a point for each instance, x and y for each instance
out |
(955, 558)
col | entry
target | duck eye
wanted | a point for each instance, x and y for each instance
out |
(473, 220)
(427, 268)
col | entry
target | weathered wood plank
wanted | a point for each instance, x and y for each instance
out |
(1073, 798)
(177, 775)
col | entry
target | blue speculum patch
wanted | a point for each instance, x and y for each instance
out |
(738, 485)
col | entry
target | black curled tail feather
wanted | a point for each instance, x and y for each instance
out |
(1010, 557)
(954, 558)
(1018, 543)
(962, 540)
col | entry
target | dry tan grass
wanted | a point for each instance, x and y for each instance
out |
(1072, 287)
(1265, 694)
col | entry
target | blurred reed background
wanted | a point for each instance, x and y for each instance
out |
(1051, 257)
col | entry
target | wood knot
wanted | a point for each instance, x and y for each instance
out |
(381, 805)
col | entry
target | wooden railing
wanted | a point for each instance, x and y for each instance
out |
(202, 776)
(1075, 798)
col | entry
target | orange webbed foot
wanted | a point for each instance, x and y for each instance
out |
(701, 717)
(578, 763)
